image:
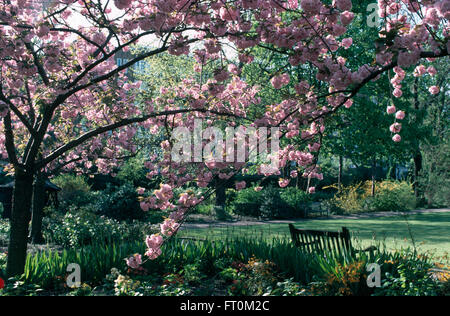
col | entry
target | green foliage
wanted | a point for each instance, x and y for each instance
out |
(271, 202)
(4, 232)
(392, 196)
(247, 202)
(297, 199)
(408, 275)
(274, 206)
(245, 266)
(120, 203)
(389, 196)
(133, 171)
(81, 227)
(435, 178)
(254, 278)
(74, 190)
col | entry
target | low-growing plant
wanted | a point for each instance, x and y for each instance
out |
(80, 227)
(389, 196)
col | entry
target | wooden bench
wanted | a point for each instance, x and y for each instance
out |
(317, 208)
(337, 243)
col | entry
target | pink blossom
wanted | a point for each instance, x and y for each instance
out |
(391, 109)
(397, 138)
(122, 4)
(397, 93)
(280, 81)
(344, 5)
(135, 261)
(312, 190)
(240, 185)
(395, 128)
(347, 42)
(348, 104)
(145, 206)
(154, 241)
(434, 90)
(420, 71)
(152, 254)
(311, 7)
(258, 189)
(169, 227)
(283, 182)
(400, 115)
(432, 71)
(314, 147)
(347, 17)
(233, 69)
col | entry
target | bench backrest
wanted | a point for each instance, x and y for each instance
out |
(337, 243)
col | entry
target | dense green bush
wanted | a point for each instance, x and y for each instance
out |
(134, 172)
(247, 202)
(120, 203)
(297, 199)
(74, 190)
(273, 206)
(80, 227)
(434, 180)
(409, 275)
(389, 196)
(4, 232)
(271, 202)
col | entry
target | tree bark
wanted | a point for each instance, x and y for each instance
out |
(417, 169)
(221, 196)
(20, 219)
(340, 173)
(38, 209)
(374, 165)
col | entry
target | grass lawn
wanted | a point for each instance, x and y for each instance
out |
(430, 231)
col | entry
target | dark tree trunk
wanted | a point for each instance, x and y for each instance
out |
(221, 196)
(417, 154)
(20, 219)
(417, 169)
(374, 166)
(341, 161)
(38, 209)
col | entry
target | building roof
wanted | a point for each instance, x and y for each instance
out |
(49, 186)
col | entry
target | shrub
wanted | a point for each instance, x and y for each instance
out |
(80, 227)
(389, 196)
(247, 202)
(434, 180)
(297, 199)
(271, 202)
(74, 190)
(133, 171)
(408, 275)
(120, 203)
(274, 206)
(4, 232)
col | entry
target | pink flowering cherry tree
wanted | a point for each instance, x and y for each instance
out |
(58, 69)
